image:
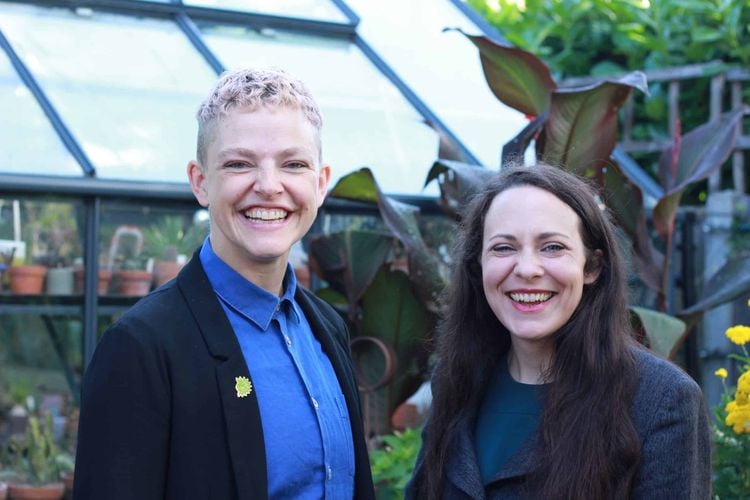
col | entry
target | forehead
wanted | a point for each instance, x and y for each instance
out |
(529, 209)
(263, 125)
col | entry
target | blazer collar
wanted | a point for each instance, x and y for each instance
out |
(241, 413)
(463, 469)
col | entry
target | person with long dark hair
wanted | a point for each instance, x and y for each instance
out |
(540, 390)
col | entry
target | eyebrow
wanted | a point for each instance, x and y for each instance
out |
(541, 236)
(249, 153)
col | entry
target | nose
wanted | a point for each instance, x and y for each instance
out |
(267, 180)
(528, 265)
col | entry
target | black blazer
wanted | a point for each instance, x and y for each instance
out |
(160, 416)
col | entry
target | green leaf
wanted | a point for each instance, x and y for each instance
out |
(581, 129)
(693, 158)
(401, 219)
(664, 332)
(393, 312)
(516, 77)
(348, 260)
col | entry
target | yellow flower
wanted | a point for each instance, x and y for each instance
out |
(738, 417)
(721, 373)
(739, 334)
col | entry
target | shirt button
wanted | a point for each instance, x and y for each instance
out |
(330, 473)
(288, 340)
(315, 403)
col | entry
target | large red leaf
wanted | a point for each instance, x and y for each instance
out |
(516, 77)
(581, 129)
(693, 158)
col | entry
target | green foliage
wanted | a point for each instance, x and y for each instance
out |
(35, 458)
(169, 237)
(393, 464)
(582, 37)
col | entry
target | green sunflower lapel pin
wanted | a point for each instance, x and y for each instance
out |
(243, 386)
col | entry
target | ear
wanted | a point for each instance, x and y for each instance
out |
(197, 177)
(324, 176)
(593, 267)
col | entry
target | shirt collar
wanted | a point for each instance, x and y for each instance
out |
(244, 296)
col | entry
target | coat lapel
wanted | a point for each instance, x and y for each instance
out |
(241, 413)
(462, 469)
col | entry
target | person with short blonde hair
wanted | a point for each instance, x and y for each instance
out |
(232, 381)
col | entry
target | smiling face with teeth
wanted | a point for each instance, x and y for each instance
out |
(533, 261)
(263, 184)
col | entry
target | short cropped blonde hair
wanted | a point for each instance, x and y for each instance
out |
(252, 88)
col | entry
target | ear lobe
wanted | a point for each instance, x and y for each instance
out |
(197, 178)
(593, 267)
(324, 176)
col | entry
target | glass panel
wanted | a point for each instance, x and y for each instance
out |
(28, 142)
(40, 317)
(143, 247)
(367, 122)
(127, 87)
(322, 10)
(442, 68)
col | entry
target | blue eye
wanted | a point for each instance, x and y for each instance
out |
(235, 165)
(553, 247)
(502, 248)
(296, 165)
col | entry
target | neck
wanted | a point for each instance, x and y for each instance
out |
(527, 363)
(269, 278)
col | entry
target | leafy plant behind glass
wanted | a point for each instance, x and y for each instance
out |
(576, 128)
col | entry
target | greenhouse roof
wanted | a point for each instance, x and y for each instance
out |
(107, 90)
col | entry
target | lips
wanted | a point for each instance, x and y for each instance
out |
(266, 214)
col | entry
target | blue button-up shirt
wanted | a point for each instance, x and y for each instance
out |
(306, 428)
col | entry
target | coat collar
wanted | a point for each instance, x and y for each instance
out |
(463, 470)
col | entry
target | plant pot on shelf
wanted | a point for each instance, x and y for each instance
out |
(103, 284)
(27, 280)
(60, 281)
(165, 270)
(133, 283)
(51, 491)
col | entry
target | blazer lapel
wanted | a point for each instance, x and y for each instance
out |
(462, 469)
(240, 407)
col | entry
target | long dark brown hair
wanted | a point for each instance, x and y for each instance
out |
(590, 445)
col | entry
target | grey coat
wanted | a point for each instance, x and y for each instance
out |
(671, 418)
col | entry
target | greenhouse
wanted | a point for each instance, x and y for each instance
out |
(98, 123)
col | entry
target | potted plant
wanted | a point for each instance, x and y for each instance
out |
(27, 279)
(131, 275)
(36, 463)
(169, 243)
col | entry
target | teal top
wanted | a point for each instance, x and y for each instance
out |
(508, 414)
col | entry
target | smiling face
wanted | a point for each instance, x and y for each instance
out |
(533, 261)
(262, 184)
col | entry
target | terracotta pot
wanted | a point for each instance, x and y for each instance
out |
(165, 270)
(133, 283)
(27, 280)
(103, 286)
(52, 491)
